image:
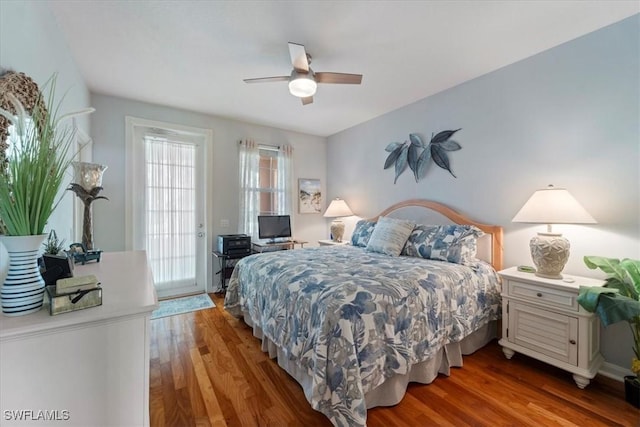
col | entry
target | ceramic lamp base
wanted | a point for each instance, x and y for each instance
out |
(337, 230)
(549, 252)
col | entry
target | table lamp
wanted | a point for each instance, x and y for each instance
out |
(337, 208)
(550, 251)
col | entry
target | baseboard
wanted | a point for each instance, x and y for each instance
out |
(614, 372)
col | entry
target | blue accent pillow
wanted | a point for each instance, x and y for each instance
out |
(362, 233)
(389, 236)
(451, 243)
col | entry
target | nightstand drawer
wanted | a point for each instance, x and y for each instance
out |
(541, 295)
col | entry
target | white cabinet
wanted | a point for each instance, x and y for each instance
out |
(88, 367)
(542, 319)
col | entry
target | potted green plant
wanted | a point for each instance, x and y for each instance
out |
(53, 246)
(618, 300)
(57, 262)
(32, 174)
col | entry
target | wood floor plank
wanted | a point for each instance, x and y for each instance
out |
(207, 369)
(239, 372)
(172, 414)
(555, 390)
(224, 402)
(163, 341)
(183, 405)
(475, 396)
(291, 395)
(447, 404)
(410, 410)
(552, 417)
(244, 367)
(156, 405)
(192, 387)
(510, 399)
(176, 365)
(216, 416)
(238, 395)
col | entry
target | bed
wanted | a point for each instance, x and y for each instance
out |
(355, 324)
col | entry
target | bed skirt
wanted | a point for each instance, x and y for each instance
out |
(393, 389)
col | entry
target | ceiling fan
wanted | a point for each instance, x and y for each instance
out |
(303, 81)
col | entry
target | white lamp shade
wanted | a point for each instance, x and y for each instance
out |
(338, 207)
(553, 206)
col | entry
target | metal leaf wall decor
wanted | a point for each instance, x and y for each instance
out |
(415, 154)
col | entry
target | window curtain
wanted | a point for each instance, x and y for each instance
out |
(285, 174)
(170, 214)
(250, 185)
(249, 188)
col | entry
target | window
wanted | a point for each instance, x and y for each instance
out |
(268, 181)
(265, 184)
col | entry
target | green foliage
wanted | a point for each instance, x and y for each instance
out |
(409, 153)
(623, 275)
(52, 245)
(34, 175)
(619, 299)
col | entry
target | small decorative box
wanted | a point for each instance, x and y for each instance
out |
(75, 300)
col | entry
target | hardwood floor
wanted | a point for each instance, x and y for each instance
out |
(207, 369)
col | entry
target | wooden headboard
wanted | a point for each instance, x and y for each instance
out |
(422, 212)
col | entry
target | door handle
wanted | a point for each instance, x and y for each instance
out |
(200, 234)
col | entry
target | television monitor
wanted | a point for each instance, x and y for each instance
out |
(274, 227)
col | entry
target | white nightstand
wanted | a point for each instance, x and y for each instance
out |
(542, 319)
(332, 243)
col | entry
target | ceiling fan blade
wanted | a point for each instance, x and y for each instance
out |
(298, 57)
(268, 79)
(339, 78)
(307, 100)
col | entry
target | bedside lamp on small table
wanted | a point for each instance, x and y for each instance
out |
(550, 251)
(337, 208)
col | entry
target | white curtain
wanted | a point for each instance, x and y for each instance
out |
(250, 185)
(285, 174)
(170, 210)
(249, 188)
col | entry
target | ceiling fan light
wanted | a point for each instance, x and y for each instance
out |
(302, 85)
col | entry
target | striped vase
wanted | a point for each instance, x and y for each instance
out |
(23, 289)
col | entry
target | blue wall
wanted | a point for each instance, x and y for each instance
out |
(568, 116)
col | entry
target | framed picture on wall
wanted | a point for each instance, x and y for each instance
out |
(309, 196)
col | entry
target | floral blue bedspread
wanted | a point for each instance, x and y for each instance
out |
(353, 318)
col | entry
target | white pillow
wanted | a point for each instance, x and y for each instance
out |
(389, 236)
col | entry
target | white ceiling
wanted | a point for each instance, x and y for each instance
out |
(194, 55)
